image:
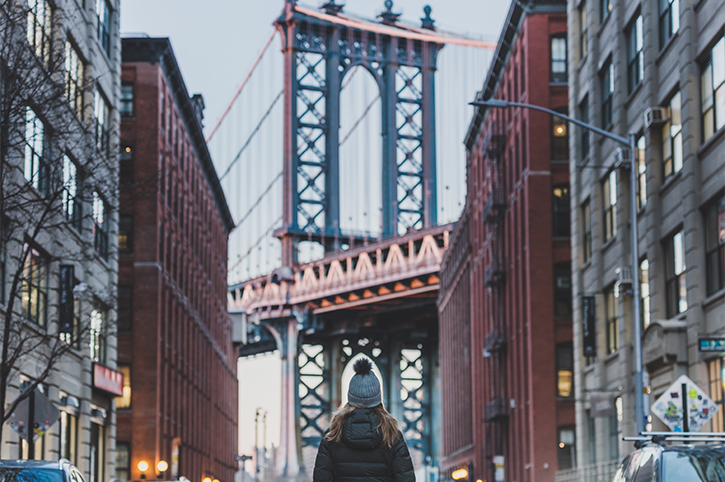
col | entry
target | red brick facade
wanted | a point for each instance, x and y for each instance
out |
(501, 333)
(175, 335)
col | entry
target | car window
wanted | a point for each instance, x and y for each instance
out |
(633, 465)
(619, 475)
(646, 468)
(19, 474)
(695, 466)
(76, 476)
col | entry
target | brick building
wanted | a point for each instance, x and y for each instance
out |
(180, 402)
(505, 304)
(656, 69)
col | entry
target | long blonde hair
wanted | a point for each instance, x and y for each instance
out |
(388, 425)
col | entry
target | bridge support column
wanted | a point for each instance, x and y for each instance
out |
(289, 463)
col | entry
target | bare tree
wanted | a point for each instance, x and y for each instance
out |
(58, 184)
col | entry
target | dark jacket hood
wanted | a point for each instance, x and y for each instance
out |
(361, 431)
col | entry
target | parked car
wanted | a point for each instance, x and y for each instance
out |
(661, 461)
(39, 471)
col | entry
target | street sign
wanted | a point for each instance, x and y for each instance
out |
(46, 414)
(700, 408)
(713, 343)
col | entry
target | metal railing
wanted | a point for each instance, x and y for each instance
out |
(600, 472)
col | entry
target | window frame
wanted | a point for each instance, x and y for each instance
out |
(68, 445)
(100, 225)
(669, 24)
(561, 211)
(564, 364)
(124, 308)
(635, 54)
(74, 339)
(675, 276)
(40, 286)
(103, 17)
(640, 146)
(43, 46)
(611, 320)
(584, 133)
(710, 93)
(71, 199)
(563, 446)
(102, 120)
(126, 101)
(605, 10)
(97, 334)
(610, 193)
(586, 210)
(75, 70)
(126, 469)
(563, 294)
(583, 31)
(125, 368)
(125, 226)
(559, 142)
(36, 169)
(607, 90)
(644, 293)
(558, 77)
(714, 247)
(672, 139)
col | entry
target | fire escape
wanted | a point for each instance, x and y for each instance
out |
(494, 210)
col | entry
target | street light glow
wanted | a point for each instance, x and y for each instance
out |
(206, 479)
(459, 474)
(143, 466)
(162, 466)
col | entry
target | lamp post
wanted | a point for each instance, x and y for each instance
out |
(629, 143)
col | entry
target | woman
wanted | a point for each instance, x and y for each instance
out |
(363, 442)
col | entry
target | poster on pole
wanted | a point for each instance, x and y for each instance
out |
(698, 406)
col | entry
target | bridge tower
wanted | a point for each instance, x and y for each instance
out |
(320, 48)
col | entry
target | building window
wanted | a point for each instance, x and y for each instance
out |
(675, 267)
(71, 335)
(123, 460)
(559, 138)
(609, 192)
(610, 316)
(36, 169)
(669, 20)
(672, 139)
(567, 447)
(125, 234)
(641, 174)
(102, 113)
(558, 59)
(713, 90)
(35, 287)
(125, 173)
(124, 401)
(583, 30)
(615, 430)
(644, 293)
(564, 370)
(100, 226)
(97, 452)
(606, 8)
(584, 117)
(74, 71)
(72, 206)
(562, 290)
(715, 245)
(103, 12)
(586, 231)
(40, 26)
(607, 83)
(68, 436)
(97, 335)
(635, 55)
(561, 211)
(126, 105)
(716, 368)
(125, 308)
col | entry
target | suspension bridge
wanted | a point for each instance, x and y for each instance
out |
(343, 163)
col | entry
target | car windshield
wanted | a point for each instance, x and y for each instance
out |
(20, 474)
(694, 466)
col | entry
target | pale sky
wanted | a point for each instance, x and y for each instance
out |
(216, 42)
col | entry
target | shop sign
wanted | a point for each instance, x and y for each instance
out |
(698, 406)
(108, 380)
(714, 343)
(603, 405)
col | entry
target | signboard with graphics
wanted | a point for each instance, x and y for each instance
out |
(45, 415)
(66, 301)
(108, 380)
(589, 325)
(698, 406)
(603, 405)
(712, 344)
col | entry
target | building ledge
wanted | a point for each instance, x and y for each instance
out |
(666, 48)
(714, 298)
(670, 181)
(706, 146)
(663, 343)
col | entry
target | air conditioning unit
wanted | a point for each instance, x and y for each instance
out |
(654, 116)
(621, 157)
(624, 281)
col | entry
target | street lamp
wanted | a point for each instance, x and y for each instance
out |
(143, 466)
(161, 467)
(630, 143)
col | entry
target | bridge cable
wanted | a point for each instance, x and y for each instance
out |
(256, 243)
(251, 136)
(239, 91)
(259, 199)
(359, 120)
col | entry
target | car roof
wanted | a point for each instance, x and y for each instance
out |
(36, 464)
(693, 448)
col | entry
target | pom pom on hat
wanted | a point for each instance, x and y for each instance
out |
(363, 366)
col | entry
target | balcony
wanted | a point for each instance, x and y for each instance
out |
(497, 410)
(493, 210)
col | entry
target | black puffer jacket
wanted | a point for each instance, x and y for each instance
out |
(361, 456)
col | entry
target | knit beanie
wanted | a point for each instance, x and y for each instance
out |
(364, 390)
